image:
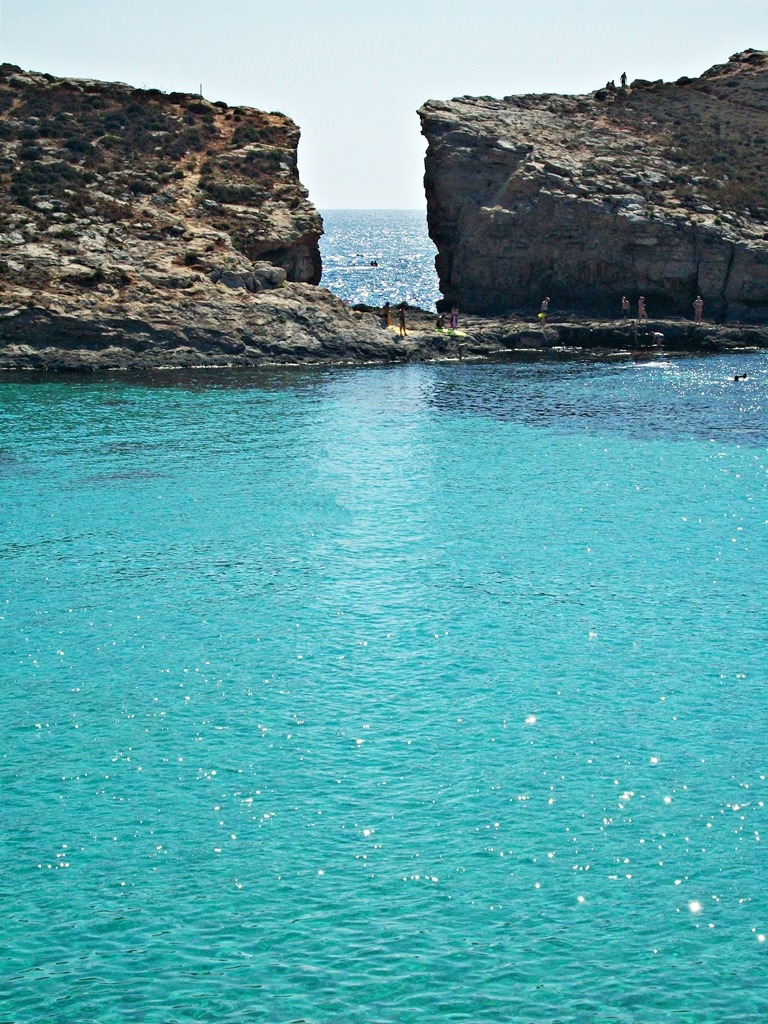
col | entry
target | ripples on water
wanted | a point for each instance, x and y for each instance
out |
(412, 694)
(396, 240)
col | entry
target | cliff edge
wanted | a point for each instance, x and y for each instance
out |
(139, 228)
(659, 189)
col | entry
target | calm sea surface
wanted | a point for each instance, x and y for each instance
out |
(393, 695)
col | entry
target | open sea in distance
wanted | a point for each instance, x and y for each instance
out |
(378, 256)
(388, 695)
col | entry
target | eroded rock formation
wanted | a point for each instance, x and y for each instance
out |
(139, 228)
(659, 189)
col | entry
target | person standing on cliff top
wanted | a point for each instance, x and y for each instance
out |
(403, 332)
(641, 313)
(698, 308)
(623, 79)
(624, 306)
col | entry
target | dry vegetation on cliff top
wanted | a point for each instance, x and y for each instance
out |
(77, 149)
(714, 129)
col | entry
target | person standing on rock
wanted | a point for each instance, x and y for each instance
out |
(544, 309)
(623, 79)
(641, 312)
(387, 315)
(454, 318)
(698, 308)
(624, 306)
(403, 332)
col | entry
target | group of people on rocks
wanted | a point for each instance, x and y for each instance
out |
(453, 320)
(642, 312)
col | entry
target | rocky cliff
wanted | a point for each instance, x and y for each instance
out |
(141, 228)
(659, 189)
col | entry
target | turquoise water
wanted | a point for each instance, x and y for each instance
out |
(412, 694)
(397, 241)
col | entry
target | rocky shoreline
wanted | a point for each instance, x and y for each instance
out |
(302, 325)
(141, 230)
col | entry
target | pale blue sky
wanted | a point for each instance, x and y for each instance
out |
(352, 73)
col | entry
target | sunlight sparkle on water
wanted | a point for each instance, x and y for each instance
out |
(511, 512)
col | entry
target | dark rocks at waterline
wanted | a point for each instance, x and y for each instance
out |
(305, 325)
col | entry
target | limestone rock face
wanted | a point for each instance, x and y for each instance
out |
(137, 224)
(657, 189)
